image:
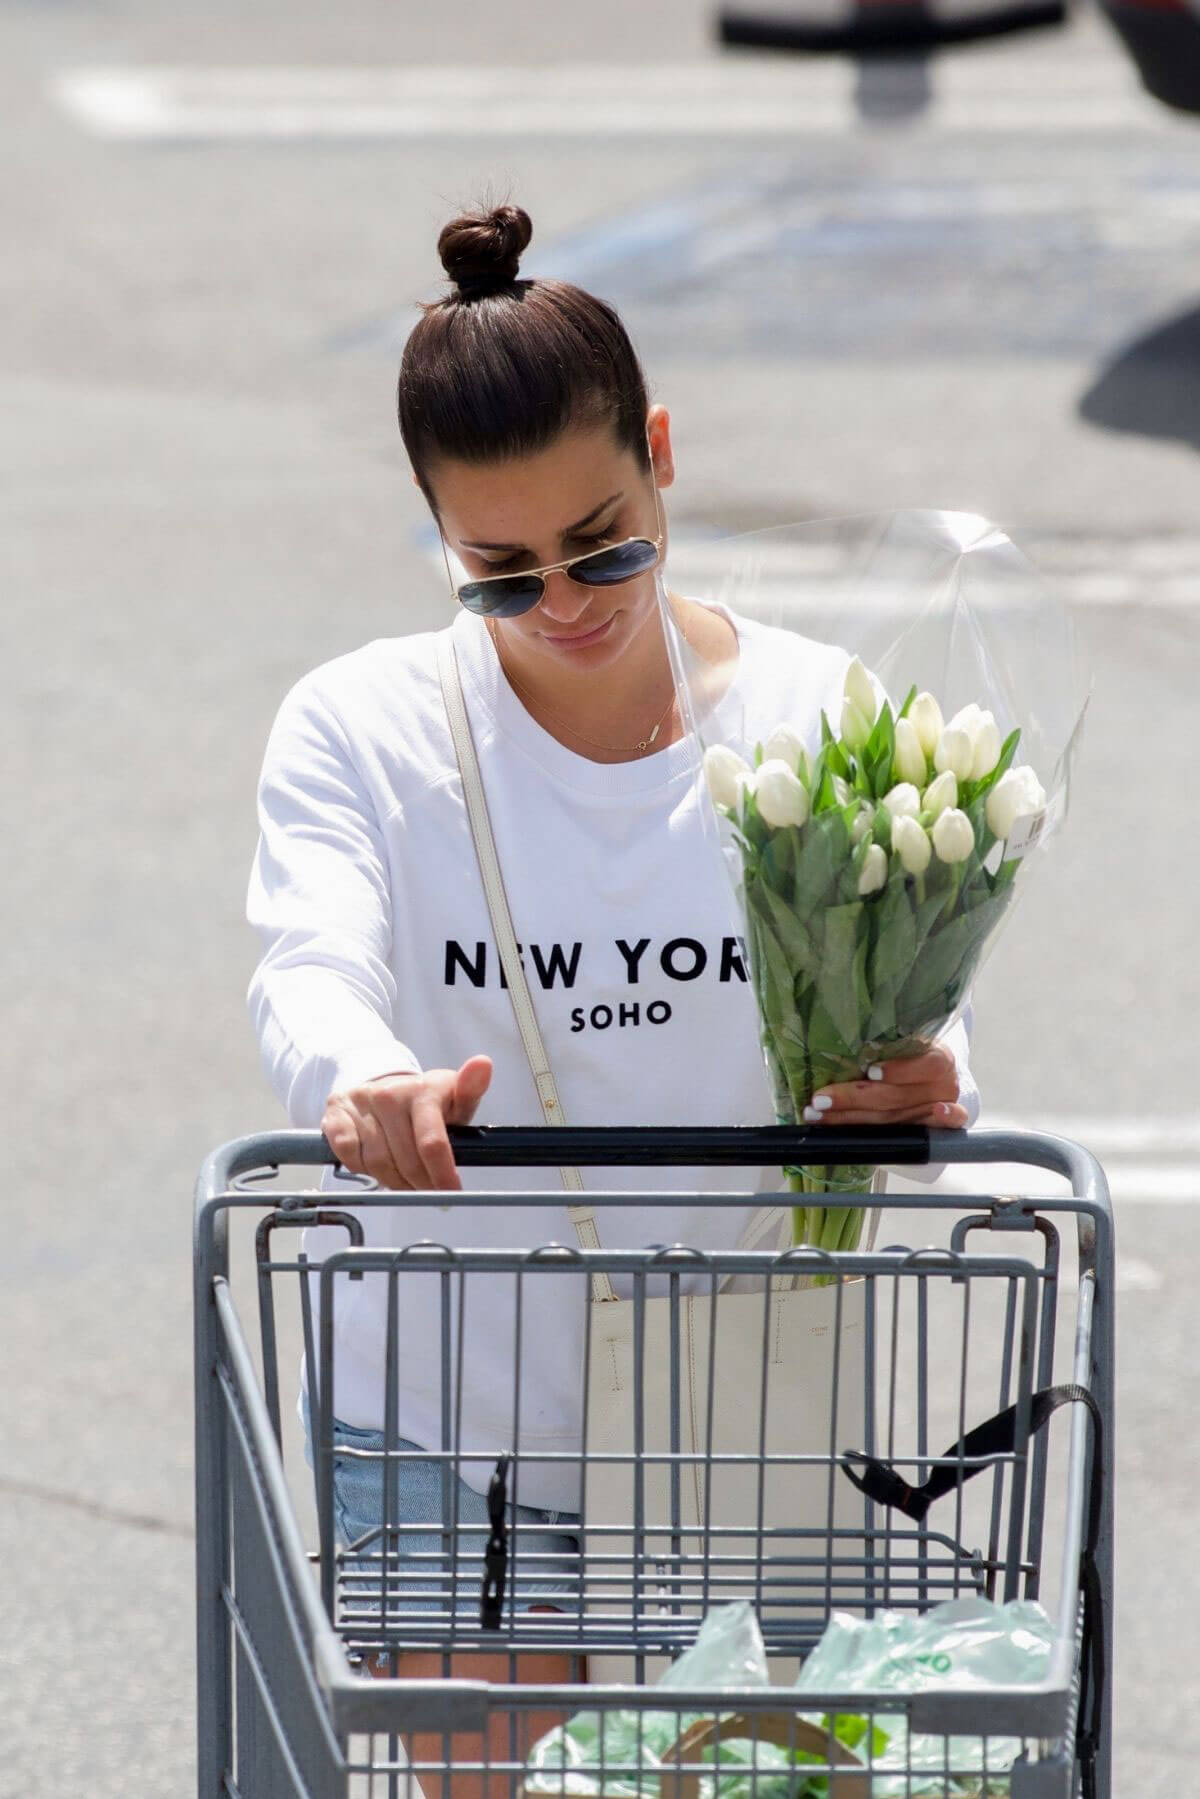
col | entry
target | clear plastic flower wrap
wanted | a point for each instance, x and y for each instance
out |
(887, 744)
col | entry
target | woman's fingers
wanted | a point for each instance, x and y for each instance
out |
(940, 1114)
(377, 1157)
(394, 1127)
(910, 1090)
(928, 1069)
(947, 1116)
(341, 1133)
(878, 1102)
(470, 1085)
(901, 1089)
(432, 1145)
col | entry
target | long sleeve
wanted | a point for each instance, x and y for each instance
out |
(323, 995)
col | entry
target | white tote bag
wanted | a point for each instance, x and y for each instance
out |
(761, 1381)
(757, 1377)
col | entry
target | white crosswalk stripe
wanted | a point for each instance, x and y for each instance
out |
(745, 97)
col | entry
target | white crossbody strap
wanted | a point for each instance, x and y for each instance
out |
(582, 1216)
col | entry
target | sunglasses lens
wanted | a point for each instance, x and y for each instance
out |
(607, 567)
(503, 596)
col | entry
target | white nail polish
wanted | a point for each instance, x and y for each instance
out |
(823, 1102)
(875, 1071)
(811, 1115)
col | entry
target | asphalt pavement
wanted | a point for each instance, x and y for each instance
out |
(967, 281)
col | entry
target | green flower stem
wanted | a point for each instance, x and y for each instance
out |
(835, 1225)
(954, 887)
(852, 1236)
(831, 1227)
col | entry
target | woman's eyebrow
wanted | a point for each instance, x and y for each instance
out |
(568, 532)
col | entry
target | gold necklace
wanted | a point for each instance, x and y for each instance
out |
(645, 742)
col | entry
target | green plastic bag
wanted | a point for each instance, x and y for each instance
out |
(622, 1754)
(585, 1757)
(962, 1644)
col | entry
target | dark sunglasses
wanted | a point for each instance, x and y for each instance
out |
(508, 596)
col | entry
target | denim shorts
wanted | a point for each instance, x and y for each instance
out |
(543, 1551)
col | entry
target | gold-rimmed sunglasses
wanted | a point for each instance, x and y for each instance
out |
(507, 596)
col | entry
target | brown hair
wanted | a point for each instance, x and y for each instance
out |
(501, 367)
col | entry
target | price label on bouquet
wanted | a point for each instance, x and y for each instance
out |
(1026, 834)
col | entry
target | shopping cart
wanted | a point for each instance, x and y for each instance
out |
(962, 1344)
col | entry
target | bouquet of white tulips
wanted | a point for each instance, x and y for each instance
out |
(874, 872)
(877, 845)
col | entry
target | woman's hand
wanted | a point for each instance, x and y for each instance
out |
(394, 1128)
(919, 1089)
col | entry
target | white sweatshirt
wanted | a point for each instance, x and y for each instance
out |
(378, 958)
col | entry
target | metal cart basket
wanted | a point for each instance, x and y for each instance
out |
(998, 1343)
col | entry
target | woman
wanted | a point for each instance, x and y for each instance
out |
(379, 1001)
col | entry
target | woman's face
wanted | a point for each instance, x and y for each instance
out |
(579, 495)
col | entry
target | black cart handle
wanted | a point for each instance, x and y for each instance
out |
(729, 1146)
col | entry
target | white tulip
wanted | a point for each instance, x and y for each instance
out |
(864, 819)
(842, 790)
(723, 770)
(785, 745)
(987, 747)
(953, 838)
(982, 729)
(779, 795)
(855, 726)
(926, 717)
(903, 800)
(909, 758)
(874, 872)
(940, 793)
(859, 688)
(966, 719)
(1017, 794)
(911, 844)
(955, 753)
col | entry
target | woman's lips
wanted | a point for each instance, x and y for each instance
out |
(578, 639)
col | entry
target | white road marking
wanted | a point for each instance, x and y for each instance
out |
(744, 97)
(1137, 1277)
(1147, 1161)
(1165, 1139)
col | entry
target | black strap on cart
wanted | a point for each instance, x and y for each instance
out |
(495, 1556)
(881, 1483)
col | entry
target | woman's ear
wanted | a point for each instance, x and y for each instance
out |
(658, 428)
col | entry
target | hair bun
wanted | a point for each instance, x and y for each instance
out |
(482, 251)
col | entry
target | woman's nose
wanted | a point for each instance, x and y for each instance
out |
(564, 600)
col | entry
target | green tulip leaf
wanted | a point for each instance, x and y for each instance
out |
(882, 1021)
(838, 760)
(1008, 750)
(895, 933)
(841, 980)
(792, 934)
(948, 951)
(883, 734)
(777, 864)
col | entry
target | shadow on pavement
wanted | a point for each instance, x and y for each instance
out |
(1153, 386)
